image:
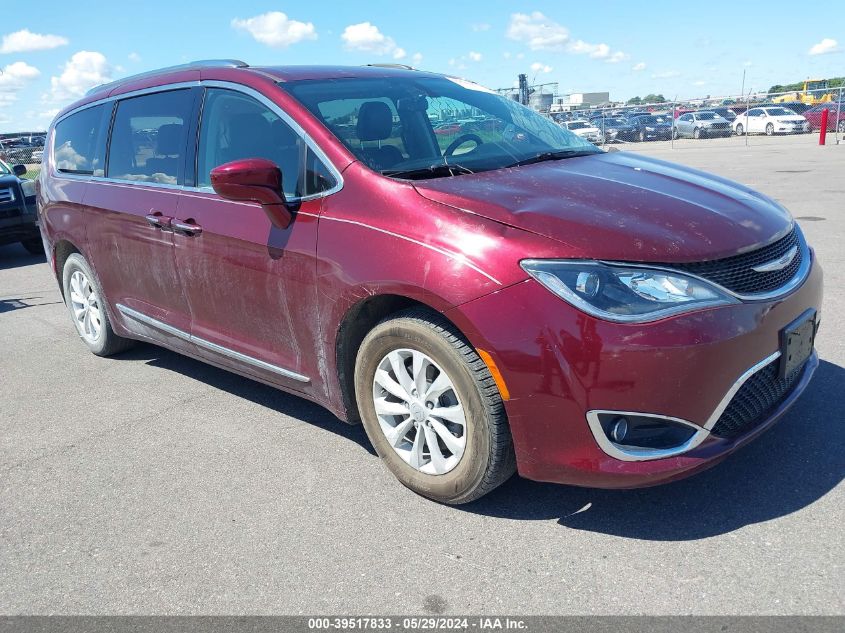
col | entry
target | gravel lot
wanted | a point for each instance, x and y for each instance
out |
(152, 484)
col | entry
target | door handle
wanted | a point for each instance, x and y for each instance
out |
(159, 221)
(186, 227)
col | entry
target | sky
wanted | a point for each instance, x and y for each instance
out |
(52, 52)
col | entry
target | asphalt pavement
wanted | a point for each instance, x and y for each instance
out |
(150, 483)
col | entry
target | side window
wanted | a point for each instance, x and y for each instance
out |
(686, 117)
(755, 112)
(236, 126)
(78, 146)
(149, 137)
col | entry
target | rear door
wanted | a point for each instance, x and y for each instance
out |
(251, 285)
(132, 208)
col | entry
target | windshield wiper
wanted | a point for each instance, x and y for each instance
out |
(559, 155)
(432, 171)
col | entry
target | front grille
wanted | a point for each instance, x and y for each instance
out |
(6, 194)
(736, 274)
(755, 400)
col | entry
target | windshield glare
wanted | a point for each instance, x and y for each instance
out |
(4, 169)
(403, 123)
(706, 116)
(780, 112)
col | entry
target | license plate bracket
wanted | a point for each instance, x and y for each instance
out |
(796, 342)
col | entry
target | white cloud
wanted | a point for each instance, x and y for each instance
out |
(276, 29)
(367, 38)
(541, 33)
(539, 67)
(506, 54)
(700, 82)
(82, 71)
(416, 58)
(25, 40)
(14, 78)
(666, 75)
(537, 31)
(475, 57)
(747, 64)
(639, 66)
(480, 26)
(827, 45)
(134, 57)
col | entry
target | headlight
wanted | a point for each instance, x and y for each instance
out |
(28, 188)
(626, 294)
(649, 129)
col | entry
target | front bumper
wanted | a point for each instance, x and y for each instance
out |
(17, 224)
(559, 363)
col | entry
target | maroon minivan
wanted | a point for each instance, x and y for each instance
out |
(496, 296)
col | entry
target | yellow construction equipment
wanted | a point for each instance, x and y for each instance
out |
(813, 93)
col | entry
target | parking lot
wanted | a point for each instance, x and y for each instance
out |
(150, 483)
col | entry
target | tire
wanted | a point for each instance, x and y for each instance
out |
(770, 129)
(79, 282)
(675, 133)
(642, 137)
(739, 129)
(841, 127)
(696, 133)
(487, 457)
(34, 246)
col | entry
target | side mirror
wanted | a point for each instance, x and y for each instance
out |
(19, 170)
(254, 180)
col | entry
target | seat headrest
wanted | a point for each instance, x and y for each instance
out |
(250, 135)
(375, 121)
(169, 139)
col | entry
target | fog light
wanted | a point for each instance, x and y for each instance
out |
(619, 430)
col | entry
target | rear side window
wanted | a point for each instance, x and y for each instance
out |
(149, 137)
(236, 126)
(79, 146)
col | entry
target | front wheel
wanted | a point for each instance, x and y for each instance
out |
(841, 127)
(432, 410)
(739, 129)
(642, 137)
(770, 129)
(696, 133)
(84, 299)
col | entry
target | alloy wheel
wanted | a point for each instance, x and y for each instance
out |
(419, 411)
(86, 307)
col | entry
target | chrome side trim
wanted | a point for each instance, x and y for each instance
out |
(214, 347)
(636, 454)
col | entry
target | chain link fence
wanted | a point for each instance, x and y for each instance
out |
(23, 149)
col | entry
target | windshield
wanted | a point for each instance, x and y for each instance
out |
(780, 112)
(578, 125)
(706, 116)
(615, 122)
(398, 124)
(648, 120)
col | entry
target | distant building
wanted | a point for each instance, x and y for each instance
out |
(580, 100)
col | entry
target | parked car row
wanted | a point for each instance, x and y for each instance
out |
(25, 149)
(609, 126)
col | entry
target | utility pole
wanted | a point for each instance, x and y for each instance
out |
(523, 89)
(742, 92)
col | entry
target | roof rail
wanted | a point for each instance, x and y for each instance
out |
(200, 63)
(401, 66)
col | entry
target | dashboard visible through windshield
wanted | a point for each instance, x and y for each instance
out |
(429, 127)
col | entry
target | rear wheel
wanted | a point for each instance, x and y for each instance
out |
(675, 133)
(84, 299)
(841, 127)
(432, 410)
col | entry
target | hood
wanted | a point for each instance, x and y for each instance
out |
(620, 206)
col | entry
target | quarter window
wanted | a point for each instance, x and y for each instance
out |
(78, 146)
(149, 137)
(235, 126)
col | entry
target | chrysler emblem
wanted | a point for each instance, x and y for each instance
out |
(777, 264)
